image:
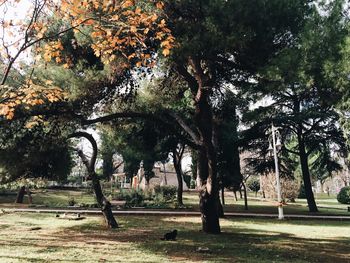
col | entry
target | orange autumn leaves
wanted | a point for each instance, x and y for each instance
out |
(27, 97)
(130, 28)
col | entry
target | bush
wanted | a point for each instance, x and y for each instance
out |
(302, 193)
(343, 196)
(289, 187)
(254, 185)
(193, 184)
(71, 201)
(187, 179)
(132, 197)
(167, 192)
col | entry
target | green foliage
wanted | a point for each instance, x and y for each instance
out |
(253, 184)
(71, 201)
(133, 198)
(193, 184)
(38, 152)
(187, 179)
(167, 192)
(302, 193)
(343, 196)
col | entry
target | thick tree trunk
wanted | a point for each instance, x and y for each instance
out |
(177, 166)
(209, 204)
(20, 195)
(306, 174)
(201, 88)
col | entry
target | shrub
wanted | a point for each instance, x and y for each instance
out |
(193, 184)
(71, 201)
(302, 193)
(132, 197)
(187, 179)
(343, 196)
(254, 185)
(167, 192)
(289, 188)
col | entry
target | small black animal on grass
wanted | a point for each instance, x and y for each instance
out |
(170, 236)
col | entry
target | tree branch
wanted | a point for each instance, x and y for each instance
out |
(89, 164)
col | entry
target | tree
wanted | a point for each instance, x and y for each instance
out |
(40, 151)
(102, 201)
(302, 91)
(254, 185)
(227, 123)
(218, 43)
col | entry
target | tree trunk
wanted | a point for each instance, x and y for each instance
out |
(20, 195)
(30, 198)
(223, 195)
(245, 196)
(201, 89)
(104, 204)
(209, 191)
(306, 174)
(177, 166)
(235, 194)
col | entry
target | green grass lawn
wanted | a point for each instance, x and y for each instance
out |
(52, 198)
(138, 240)
(59, 198)
(327, 205)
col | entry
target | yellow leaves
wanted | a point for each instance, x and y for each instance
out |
(165, 52)
(53, 50)
(127, 3)
(27, 97)
(34, 121)
(133, 29)
(160, 5)
(125, 28)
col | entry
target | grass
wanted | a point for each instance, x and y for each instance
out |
(328, 205)
(138, 240)
(52, 198)
(59, 198)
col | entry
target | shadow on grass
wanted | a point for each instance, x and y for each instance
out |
(242, 240)
(235, 244)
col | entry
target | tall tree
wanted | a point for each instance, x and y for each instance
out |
(220, 42)
(302, 92)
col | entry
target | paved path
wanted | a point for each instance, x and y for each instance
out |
(173, 213)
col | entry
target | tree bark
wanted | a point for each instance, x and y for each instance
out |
(201, 87)
(223, 195)
(20, 195)
(306, 173)
(209, 191)
(245, 196)
(235, 195)
(177, 166)
(102, 201)
(30, 198)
